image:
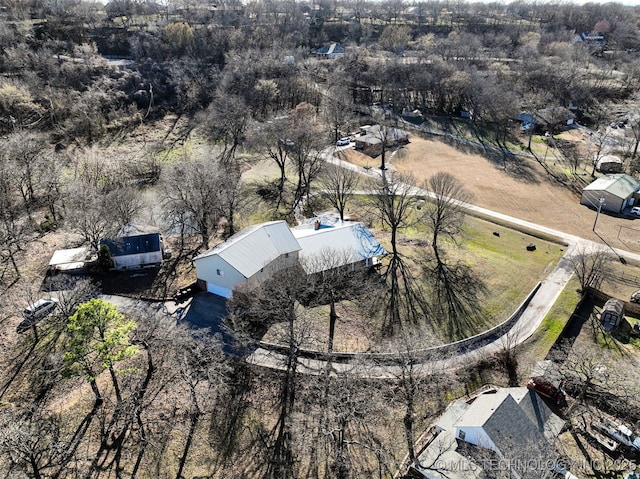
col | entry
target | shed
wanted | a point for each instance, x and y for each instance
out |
(609, 164)
(135, 246)
(612, 313)
(619, 192)
(67, 260)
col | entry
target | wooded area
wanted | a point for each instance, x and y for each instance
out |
(93, 392)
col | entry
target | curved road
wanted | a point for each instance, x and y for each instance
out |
(524, 328)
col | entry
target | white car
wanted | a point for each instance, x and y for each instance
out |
(635, 211)
(343, 141)
(36, 312)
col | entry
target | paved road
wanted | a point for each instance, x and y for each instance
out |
(526, 325)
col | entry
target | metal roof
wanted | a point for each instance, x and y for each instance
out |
(619, 185)
(66, 256)
(256, 246)
(334, 245)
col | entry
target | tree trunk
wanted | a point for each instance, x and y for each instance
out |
(333, 317)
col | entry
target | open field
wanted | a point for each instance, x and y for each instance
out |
(524, 191)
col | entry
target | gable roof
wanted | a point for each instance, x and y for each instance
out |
(345, 242)
(619, 185)
(254, 247)
(519, 424)
(330, 49)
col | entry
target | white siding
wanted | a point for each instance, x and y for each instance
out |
(218, 274)
(476, 435)
(134, 261)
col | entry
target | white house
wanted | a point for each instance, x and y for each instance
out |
(335, 245)
(134, 247)
(513, 424)
(255, 253)
(250, 255)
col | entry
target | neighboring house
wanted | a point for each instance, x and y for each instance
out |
(618, 191)
(134, 247)
(511, 427)
(529, 122)
(248, 257)
(326, 246)
(610, 164)
(612, 313)
(331, 51)
(255, 253)
(593, 40)
(371, 138)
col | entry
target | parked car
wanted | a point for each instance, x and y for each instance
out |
(36, 312)
(635, 211)
(343, 141)
(546, 388)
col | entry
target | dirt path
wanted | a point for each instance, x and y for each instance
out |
(528, 193)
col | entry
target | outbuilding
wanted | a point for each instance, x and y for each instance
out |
(612, 313)
(134, 247)
(617, 192)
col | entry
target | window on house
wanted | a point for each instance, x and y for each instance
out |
(286, 255)
(219, 272)
(461, 434)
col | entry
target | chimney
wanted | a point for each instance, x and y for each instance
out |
(316, 225)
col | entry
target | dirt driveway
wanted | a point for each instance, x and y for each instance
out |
(525, 191)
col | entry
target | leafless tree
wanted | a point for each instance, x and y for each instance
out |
(418, 372)
(124, 205)
(88, 213)
(395, 203)
(592, 268)
(338, 185)
(446, 211)
(226, 120)
(191, 196)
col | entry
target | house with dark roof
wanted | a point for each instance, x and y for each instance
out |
(331, 51)
(372, 138)
(509, 427)
(618, 191)
(134, 247)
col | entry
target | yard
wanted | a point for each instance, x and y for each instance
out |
(523, 190)
(500, 261)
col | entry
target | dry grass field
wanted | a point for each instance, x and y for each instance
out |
(524, 190)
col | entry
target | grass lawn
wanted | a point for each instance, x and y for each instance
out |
(502, 263)
(538, 346)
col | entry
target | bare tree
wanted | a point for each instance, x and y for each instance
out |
(338, 185)
(395, 203)
(592, 268)
(447, 210)
(88, 213)
(191, 196)
(123, 205)
(225, 120)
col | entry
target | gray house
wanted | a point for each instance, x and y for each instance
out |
(513, 425)
(619, 192)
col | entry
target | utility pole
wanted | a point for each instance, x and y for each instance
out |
(600, 203)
